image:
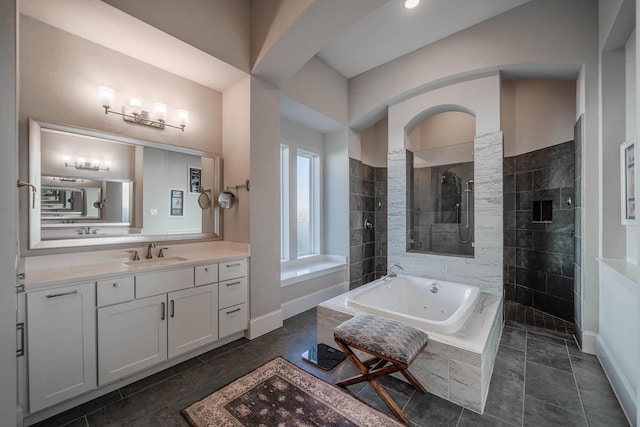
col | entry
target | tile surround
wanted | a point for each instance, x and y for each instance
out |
(367, 200)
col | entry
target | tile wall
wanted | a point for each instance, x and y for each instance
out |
(367, 200)
(539, 257)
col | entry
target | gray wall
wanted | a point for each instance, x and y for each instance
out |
(367, 200)
(539, 257)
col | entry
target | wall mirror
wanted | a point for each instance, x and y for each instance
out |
(95, 188)
(440, 196)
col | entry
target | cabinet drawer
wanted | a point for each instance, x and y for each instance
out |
(232, 319)
(113, 291)
(162, 282)
(206, 274)
(232, 292)
(233, 269)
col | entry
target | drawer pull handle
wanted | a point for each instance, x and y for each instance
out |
(116, 284)
(234, 283)
(62, 294)
(173, 308)
(206, 269)
(237, 264)
(161, 311)
(234, 311)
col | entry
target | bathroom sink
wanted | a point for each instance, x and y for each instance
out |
(144, 263)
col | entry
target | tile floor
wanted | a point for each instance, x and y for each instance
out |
(519, 313)
(539, 380)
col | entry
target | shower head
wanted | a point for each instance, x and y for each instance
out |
(467, 185)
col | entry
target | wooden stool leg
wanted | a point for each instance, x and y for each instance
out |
(391, 404)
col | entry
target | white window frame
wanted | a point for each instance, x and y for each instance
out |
(289, 152)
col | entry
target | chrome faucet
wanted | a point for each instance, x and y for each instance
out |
(390, 272)
(149, 254)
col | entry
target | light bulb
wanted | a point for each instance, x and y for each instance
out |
(136, 105)
(183, 117)
(80, 161)
(410, 4)
(161, 111)
(106, 95)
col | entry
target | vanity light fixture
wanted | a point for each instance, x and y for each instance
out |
(410, 4)
(135, 114)
(82, 163)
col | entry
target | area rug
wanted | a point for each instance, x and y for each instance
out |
(280, 394)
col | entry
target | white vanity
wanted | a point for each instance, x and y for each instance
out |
(96, 321)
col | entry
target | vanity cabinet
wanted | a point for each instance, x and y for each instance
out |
(193, 318)
(232, 291)
(61, 329)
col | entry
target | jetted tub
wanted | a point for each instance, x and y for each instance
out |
(412, 300)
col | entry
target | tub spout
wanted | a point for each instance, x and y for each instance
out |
(390, 272)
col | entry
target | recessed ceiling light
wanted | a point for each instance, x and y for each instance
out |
(410, 4)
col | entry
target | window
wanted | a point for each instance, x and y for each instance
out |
(300, 198)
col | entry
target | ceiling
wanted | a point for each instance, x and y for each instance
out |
(392, 31)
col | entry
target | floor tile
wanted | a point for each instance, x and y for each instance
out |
(514, 338)
(505, 398)
(216, 366)
(161, 418)
(510, 363)
(430, 410)
(552, 386)
(471, 419)
(81, 410)
(548, 353)
(603, 410)
(590, 376)
(538, 413)
(130, 389)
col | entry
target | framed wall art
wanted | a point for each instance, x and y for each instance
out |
(628, 181)
(177, 203)
(195, 179)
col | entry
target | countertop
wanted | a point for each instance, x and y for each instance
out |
(57, 270)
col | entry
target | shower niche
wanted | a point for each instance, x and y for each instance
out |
(440, 196)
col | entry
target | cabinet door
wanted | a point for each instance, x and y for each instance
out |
(193, 318)
(131, 336)
(61, 344)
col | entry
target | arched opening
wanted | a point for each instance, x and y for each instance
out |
(440, 196)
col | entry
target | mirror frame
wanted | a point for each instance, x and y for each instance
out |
(35, 169)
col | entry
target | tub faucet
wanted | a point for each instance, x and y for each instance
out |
(149, 254)
(390, 272)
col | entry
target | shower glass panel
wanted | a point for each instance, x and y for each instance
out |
(440, 200)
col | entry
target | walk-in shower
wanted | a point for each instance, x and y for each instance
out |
(440, 218)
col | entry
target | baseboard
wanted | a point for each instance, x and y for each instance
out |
(304, 303)
(619, 383)
(264, 324)
(589, 342)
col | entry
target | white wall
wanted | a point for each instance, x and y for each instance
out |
(537, 113)
(328, 94)
(8, 209)
(336, 178)
(264, 217)
(521, 39)
(374, 144)
(236, 168)
(631, 128)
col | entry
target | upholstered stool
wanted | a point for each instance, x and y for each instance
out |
(388, 341)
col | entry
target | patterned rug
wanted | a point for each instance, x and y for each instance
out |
(280, 394)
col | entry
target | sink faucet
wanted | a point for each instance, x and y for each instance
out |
(149, 254)
(390, 272)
